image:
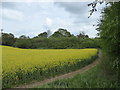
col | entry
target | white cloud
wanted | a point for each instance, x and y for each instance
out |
(12, 14)
(47, 0)
(49, 22)
(61, 22)
(39, 17)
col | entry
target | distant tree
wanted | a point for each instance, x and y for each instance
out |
(57, 34)
(8, 39)
(44, 34)
(0, 40)
(62, 33)
(82, 35)
(23, 43)
(86, 36)
(72, 35)
(24, 37)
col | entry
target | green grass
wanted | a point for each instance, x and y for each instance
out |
(94, 78)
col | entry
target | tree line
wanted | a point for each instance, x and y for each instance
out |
(61, 39)
(109, 28)
(109, 31)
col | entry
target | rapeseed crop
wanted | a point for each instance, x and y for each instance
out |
(25, 65)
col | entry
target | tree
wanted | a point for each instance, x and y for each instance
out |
(8, 39)
(23, 43)
(44, 34)
(93, 6)
(62, 33)
(24, 37)
(57, 34)
(109, 32)
(82, 35)
(109, 29)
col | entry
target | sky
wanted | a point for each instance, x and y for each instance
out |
(32, 18)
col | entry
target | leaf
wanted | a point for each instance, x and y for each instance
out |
(95, 9)
(89, 4)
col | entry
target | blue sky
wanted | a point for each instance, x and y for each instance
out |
(32, 18)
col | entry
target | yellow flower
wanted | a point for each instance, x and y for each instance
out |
(24, 60)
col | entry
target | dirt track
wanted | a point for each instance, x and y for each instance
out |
(68, 75)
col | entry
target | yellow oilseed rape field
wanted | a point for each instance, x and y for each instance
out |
(24, 65)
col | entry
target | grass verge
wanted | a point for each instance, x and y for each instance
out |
(97, 77)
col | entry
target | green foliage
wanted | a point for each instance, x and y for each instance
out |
(23, 43)
(62, 33)
(24, 37)
(64, 43)
(110, 33)
(57, 34)
(8, 39)
(44, 34)
(82, 35)
(61, 39)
